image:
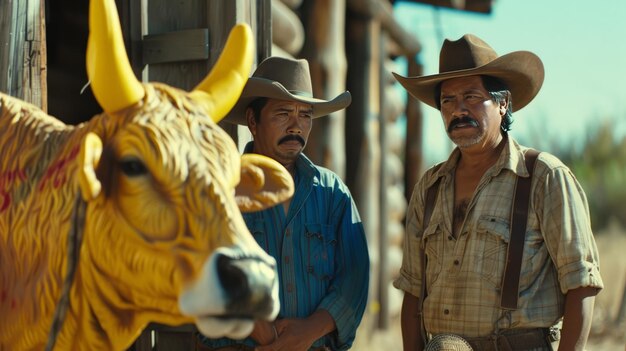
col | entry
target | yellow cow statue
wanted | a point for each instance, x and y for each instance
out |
(134, 216)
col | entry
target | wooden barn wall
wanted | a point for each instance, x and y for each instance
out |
(178, 42)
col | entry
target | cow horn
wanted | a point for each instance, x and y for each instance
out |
(222, 86)
(112, 79)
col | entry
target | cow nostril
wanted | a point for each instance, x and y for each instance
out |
(233, 279)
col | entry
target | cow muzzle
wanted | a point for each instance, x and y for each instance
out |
(233, 290)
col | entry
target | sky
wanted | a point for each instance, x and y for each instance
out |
(582, 44)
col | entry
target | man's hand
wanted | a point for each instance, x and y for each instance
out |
(264, 332)
(295, 334)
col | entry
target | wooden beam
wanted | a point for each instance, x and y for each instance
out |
(185, 45)
(478, 6)
(382, 11)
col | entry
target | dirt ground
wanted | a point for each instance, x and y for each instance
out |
(605, 335)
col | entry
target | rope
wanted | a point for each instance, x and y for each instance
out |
(74, 241)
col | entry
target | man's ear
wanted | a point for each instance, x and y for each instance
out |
(251, 121)
(264, 183)
(90, 152)
(504, 104)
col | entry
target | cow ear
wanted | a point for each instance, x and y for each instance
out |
(264, 183)
(90, 152)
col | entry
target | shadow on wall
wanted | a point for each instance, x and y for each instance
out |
(67, 29)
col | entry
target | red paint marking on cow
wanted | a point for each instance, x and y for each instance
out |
(56, 172)
(6, 200)
(7, 179)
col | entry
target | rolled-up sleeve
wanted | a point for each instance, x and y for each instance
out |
(410, 277)
(348, 293)
(567, 230)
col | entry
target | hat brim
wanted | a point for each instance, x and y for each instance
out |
(521, 71)
(261, 87)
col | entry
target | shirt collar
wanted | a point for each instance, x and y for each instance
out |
(511, 158)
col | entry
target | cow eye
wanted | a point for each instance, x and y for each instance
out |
(133, 167)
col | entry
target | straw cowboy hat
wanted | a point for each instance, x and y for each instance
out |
(284, 79)
(521, 71)
(448, 342)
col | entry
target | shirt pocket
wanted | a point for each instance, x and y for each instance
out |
(257, 229)
(432, 240)
(488, 249)
(321, 242)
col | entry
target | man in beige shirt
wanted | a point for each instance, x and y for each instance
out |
(466, 240)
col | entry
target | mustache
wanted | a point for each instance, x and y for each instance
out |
(461, 120)
(291, 137)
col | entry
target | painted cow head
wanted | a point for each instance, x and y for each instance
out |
(164, 186)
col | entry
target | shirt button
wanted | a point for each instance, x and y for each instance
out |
(449, 237)
(288, 232)
(446, 311)
(456, 262)
(286, 259)
(289, 288)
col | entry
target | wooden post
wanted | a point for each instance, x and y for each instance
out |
(223, 15)
(383, 276)
(22, 51)
(414, 133)
(363, 150)
(324, 48)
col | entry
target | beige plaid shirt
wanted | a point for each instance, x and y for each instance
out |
(464, 274)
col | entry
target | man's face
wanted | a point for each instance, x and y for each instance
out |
(283, 129)
(470, 116)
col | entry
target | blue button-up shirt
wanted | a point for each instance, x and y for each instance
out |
(320, 250)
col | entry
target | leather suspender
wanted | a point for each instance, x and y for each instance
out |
(519, 217)
(431, 198)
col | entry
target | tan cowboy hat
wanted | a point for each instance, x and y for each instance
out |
(521, 71)
(284, 79)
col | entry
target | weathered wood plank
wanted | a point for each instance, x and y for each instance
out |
(7, 8)
(22, 43)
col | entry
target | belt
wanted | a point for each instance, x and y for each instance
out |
(240, 347)
(539, 339)
(235, 347)
(226, 348)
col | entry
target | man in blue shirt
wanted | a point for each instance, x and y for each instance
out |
(316, 237)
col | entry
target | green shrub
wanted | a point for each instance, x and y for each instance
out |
(600, 167)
